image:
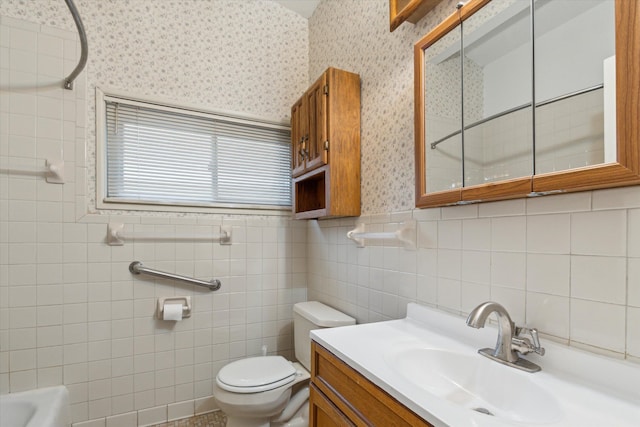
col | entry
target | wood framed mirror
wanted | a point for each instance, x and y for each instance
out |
(505, 110)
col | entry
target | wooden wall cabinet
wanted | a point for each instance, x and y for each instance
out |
(340, 396)
(409, 10)
(325, 147)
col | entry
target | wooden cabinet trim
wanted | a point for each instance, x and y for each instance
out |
(587, 178)
(409, 10)
(507, 189)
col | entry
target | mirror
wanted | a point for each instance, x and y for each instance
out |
(575, 44)
(511, 103)
(497, 97)
(443, 113)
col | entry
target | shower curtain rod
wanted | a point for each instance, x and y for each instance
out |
(68, 82)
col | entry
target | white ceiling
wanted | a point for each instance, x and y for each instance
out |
(302, 7)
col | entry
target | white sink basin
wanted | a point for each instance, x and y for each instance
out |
(476, 383)
(429, 362)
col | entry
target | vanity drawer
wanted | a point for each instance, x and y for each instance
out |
(323, 412)
(360, 401)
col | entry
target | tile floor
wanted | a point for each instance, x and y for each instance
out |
(212, 419)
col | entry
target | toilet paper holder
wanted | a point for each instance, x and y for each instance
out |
(185, 301)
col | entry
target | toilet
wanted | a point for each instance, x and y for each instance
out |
(270, 391)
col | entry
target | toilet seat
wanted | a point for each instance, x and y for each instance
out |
(256, 374)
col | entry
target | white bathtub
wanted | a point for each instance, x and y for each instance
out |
(44, 407)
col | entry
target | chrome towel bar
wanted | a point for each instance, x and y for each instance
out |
(136, 267)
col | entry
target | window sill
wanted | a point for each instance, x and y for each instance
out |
(127, 205)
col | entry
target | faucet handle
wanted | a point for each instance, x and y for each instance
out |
(524, 345)
(536, 342)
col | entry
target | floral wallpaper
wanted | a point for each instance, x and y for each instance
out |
(354, 35)
(249, 56)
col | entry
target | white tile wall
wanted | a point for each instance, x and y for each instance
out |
(568, 274)
(548, 273)
(609, 237)
(633, 330)
(476, 234)
(549, 313)
(507, 234)
(633, 278)
(598, 324)
(508, 269)
(549, 234)
(70, 311)
(599, 278)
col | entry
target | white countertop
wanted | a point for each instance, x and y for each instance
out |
(590, 390)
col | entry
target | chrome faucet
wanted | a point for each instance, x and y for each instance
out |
(509, 343)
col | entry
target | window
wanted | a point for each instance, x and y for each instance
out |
(157, 154)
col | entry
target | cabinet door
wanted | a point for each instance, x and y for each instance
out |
(316, 136)
(323, 413)
(299, 129)
(354, 396)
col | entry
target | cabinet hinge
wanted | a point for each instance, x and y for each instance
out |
(325, 89)
(326, 146)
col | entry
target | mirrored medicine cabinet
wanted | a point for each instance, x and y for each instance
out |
(519, 98)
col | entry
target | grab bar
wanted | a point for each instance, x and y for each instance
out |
(136, 267)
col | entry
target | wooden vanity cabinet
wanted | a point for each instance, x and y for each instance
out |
(325, 147)
(340, 396)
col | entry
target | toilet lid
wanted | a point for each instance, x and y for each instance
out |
(256, 374)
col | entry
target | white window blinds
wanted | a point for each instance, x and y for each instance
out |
(158, 154)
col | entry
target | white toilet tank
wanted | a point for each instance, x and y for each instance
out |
(311, 315)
